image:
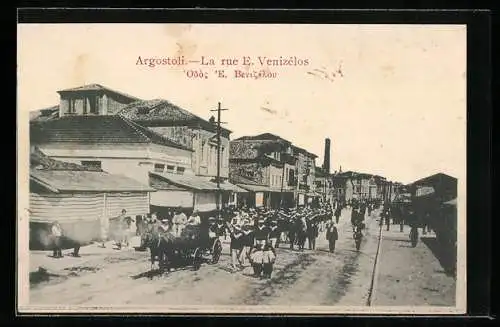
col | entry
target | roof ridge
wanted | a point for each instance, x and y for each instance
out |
(137, 127)
(102, 87)
(133, 125)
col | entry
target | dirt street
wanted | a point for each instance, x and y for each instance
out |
(299, 278)
(412, 276)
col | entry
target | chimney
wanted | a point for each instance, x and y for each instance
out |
(326, 158)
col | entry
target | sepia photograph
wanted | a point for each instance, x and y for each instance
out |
(241, 168)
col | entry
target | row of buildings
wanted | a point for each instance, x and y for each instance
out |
(100, 150)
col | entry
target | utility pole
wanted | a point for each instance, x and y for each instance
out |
(282, 182)
(219, 109)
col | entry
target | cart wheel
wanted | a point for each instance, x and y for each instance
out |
(216, 251)
(197, 255)
(164, 263)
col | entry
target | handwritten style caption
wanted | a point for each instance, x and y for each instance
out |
(245, 67)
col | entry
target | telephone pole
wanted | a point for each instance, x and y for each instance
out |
(218, 179)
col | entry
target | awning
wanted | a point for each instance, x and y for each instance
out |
(451, 202)
(255, 188)
(193, 182)
(226, 186)
(85, 181)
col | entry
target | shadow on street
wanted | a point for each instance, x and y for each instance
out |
(446, 257)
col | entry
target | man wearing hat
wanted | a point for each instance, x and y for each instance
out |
(261, 233)
(274, 234)
(164, 226)
(312, 232)
(332, 235)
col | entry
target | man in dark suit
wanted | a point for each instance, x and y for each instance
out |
(312, 233)
(332, 235)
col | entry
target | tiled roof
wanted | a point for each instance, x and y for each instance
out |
(352, 174)
(44, 114)
(244, 149)
(85, 181)
(98, 87)
(161, 111)
(39, 161)
(264, 136)
(269, 140)
(99, 129)
(436, 178)
(304, 151)
(253, 149)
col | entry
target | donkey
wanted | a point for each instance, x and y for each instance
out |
(159, 246)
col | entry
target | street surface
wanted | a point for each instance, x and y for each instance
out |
(422, 281)
(312, 277)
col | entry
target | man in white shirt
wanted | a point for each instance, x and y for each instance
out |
(194, 219)
(179, 222)
(56, 231)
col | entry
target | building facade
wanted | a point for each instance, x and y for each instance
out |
(92, 99)
(82, 199)
(265, 166)
(187, 129)
(127, 135)
(323, 185)
(305, 167)
(350, 185)
(276, 172)
(112, 143)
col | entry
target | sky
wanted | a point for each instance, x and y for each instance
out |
(393, 101)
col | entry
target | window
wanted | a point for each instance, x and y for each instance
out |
(91, 163)
(204, 153)
(224, 157)
(84, 106)
(93, 101)
(159, 168)
(71, 106)
(170, 169)
(180, 170)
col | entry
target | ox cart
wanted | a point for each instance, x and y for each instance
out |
(192, 247)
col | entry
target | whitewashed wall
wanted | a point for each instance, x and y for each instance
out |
(65, 207)
(134, 161)
(163, 198)
(205, 201)
(136, 203)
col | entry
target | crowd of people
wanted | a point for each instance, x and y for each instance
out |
(254, 233)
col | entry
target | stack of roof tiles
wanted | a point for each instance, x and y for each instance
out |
(39, 161)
